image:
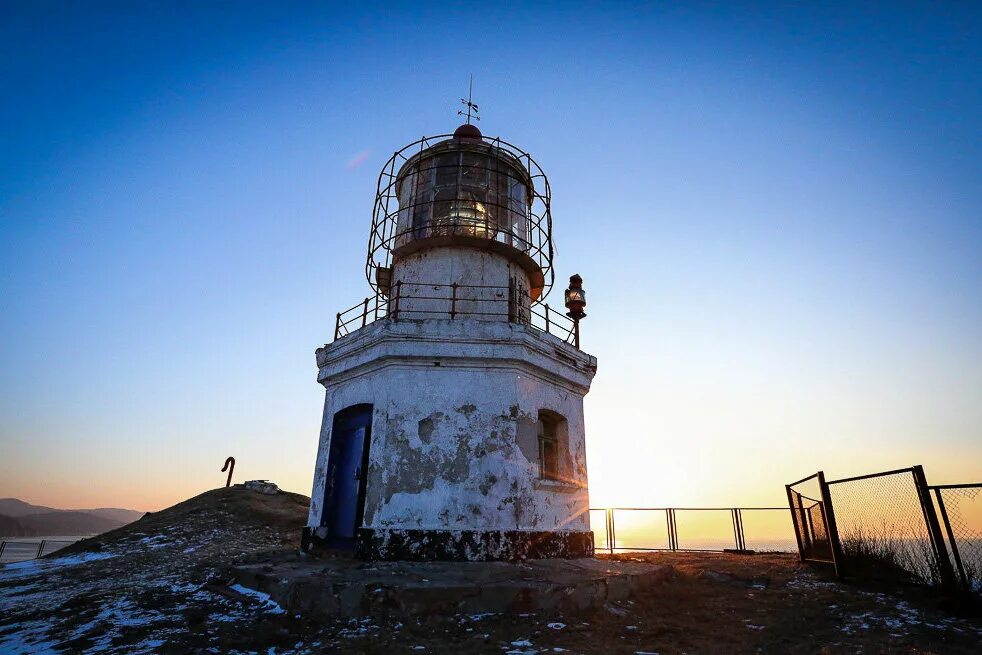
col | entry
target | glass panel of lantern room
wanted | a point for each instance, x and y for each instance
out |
(447, 166)
(518, 214)
(472, 209)
(443, 221)
(404, 219)
(422, 200)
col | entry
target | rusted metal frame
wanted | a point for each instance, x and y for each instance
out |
(803, 517)
(945, 568)
(794, 522)
(230, 465)
(831, 528)
(872, 475)
(797, 482)
(461, 313)
(953, 543)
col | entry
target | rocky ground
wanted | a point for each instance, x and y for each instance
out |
(158, 586)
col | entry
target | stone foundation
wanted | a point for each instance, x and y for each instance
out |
(470, 545)
(459, 545)
(344, 587)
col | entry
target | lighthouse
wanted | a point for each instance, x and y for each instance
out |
(453, 422)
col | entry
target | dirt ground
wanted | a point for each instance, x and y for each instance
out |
(157, 586)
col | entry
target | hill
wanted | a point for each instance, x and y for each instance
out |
(161, 585)
(11, 527)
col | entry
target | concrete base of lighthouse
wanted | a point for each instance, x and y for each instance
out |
(453, 464)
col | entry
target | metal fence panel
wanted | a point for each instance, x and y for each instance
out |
(882, 527)
(960, 508)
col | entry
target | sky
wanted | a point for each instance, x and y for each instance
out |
(775, 208)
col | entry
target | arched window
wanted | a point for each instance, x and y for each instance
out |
(552, 444)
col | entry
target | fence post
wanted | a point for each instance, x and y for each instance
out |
(395, 313)
(831, 529)
(739, 521)
(3, 544)
(673, 531)
(806, 534)
(945, 569)
(951, 538)
(613, 532)
(337, 326)
(610, 530)
(453, 300)
(40, 549)
(547, 318)
(364, 314)
(794, 523)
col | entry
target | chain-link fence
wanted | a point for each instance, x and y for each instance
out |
(960, 508)
(883, 530)
(813, 524)
(891, 526)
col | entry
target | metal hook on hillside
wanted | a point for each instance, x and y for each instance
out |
(230, 465)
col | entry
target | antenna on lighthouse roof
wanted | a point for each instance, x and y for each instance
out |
(472, 109)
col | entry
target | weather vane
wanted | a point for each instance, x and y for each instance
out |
(472, 109)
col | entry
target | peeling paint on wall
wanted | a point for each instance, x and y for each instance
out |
(455, 447)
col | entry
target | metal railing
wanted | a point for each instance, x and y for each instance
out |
(18, 550)
(703, 529)
(419, 300)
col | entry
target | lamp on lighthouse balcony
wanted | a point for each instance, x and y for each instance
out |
(575, 298)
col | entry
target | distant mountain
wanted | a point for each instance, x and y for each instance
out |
(67, 523)
(20, 519)
(124, 516)
(15, 507)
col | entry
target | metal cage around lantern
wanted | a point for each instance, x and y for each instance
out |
(481, 190)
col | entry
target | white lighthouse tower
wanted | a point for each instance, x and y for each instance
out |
(453, 423)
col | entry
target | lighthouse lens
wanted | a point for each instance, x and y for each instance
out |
(462, 193)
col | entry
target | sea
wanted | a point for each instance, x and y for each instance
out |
(18, 549)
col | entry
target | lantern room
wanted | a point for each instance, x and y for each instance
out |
(463, 191)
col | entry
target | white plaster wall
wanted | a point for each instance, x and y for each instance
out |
(431, 272)
(454, 446)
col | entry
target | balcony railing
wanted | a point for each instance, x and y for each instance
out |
(419, 300)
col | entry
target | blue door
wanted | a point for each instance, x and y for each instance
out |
(347, 464)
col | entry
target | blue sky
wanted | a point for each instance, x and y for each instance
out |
(775, 209)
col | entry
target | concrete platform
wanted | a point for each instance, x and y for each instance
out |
(348, 587)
